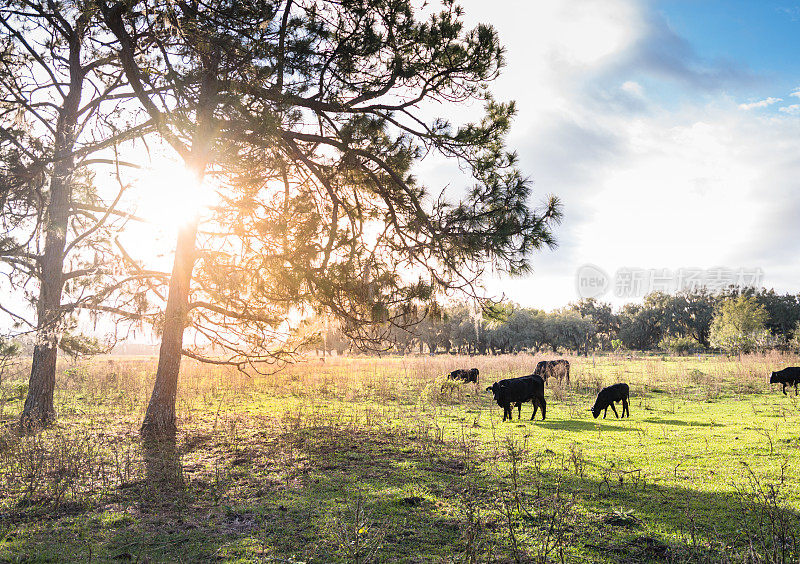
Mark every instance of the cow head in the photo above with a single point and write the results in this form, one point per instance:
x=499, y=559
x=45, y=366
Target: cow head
x=495, y=389
x=773, y=379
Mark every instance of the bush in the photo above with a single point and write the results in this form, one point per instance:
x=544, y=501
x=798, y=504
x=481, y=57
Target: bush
x=680, y=345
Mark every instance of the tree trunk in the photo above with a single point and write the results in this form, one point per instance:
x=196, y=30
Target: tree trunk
x=159, y=420
x=39, y=409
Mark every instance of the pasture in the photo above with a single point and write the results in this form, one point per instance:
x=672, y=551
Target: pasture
x=384, y=460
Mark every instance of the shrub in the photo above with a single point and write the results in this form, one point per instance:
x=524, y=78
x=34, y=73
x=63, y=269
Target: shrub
x=680, y=345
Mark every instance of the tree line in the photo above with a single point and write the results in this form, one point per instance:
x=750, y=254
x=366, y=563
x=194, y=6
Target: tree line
x=733, y=320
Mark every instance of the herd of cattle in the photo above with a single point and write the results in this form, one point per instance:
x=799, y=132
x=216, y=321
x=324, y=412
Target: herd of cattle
x=530, y=388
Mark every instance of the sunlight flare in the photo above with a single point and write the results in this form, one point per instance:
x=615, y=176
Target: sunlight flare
x=171, y=195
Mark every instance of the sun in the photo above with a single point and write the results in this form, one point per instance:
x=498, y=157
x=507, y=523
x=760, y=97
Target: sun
x=170, y=196
x=164, y=196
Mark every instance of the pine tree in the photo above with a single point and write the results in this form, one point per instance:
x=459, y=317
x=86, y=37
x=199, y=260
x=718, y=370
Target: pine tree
x=60, y=96
x=310, y=116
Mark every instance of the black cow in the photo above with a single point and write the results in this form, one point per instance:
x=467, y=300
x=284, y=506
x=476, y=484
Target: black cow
x=607, y=397
x=518, y=391
x=788, y=377
x=558, y=369
x=470, y=375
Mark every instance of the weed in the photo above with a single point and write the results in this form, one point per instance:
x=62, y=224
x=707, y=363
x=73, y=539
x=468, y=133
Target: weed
x=357, y=537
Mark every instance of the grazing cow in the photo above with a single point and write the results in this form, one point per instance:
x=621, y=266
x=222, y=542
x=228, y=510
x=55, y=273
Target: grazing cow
x=470, y=375
x=607, y=397
x=788, y=377
x=553, y=368
x=518, y=391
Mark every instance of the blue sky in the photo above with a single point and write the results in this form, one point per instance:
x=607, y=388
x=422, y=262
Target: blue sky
x=668, y=129
x=760, y=39
x=760, y=35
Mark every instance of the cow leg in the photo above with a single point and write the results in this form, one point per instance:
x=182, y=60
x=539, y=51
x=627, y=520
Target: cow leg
x=625, y=408
x=795, y=387
x=543, y=403
x=614, y=409
x=519, y=410
x=605, y=412
x=535, y=407
x=784, y=389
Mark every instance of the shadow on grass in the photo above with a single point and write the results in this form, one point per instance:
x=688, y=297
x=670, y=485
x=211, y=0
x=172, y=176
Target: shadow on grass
x=163, y=469
x=681, y=423
x=295, y=501
x=408, y=495
x=409, y=492
x=580, y=425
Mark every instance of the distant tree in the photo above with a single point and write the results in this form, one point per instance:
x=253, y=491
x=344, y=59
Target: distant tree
x=526, y=329
x=679, y=345
x=739, y=325
x=326, y=336
x=571, y=331
x=402, y=338
x=640, y=327
x=794, y=338
x=606, y=323
x=684, y=314
x=433, y=330
x=313, y=112
x=336, y=340
x=492, y=333
x=693, y=313
x=463, y=325
x=783, y=311
x=662, y=306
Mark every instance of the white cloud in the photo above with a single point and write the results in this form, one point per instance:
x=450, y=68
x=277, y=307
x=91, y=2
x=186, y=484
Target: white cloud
x=683, y=179
x=793, y=110
x=761, y=103
x=796, y=92
x=632, y=87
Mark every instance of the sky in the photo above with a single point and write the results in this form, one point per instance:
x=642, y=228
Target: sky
x=669, y=130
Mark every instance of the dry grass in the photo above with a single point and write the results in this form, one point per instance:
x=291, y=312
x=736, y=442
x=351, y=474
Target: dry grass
x=387, y=458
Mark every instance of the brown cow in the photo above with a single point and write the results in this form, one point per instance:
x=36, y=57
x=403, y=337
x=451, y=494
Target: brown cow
x=558, y=369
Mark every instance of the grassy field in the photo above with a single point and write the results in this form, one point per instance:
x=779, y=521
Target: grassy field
x=375, y=460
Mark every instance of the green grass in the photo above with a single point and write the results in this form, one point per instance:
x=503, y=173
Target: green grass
x=372, y=460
